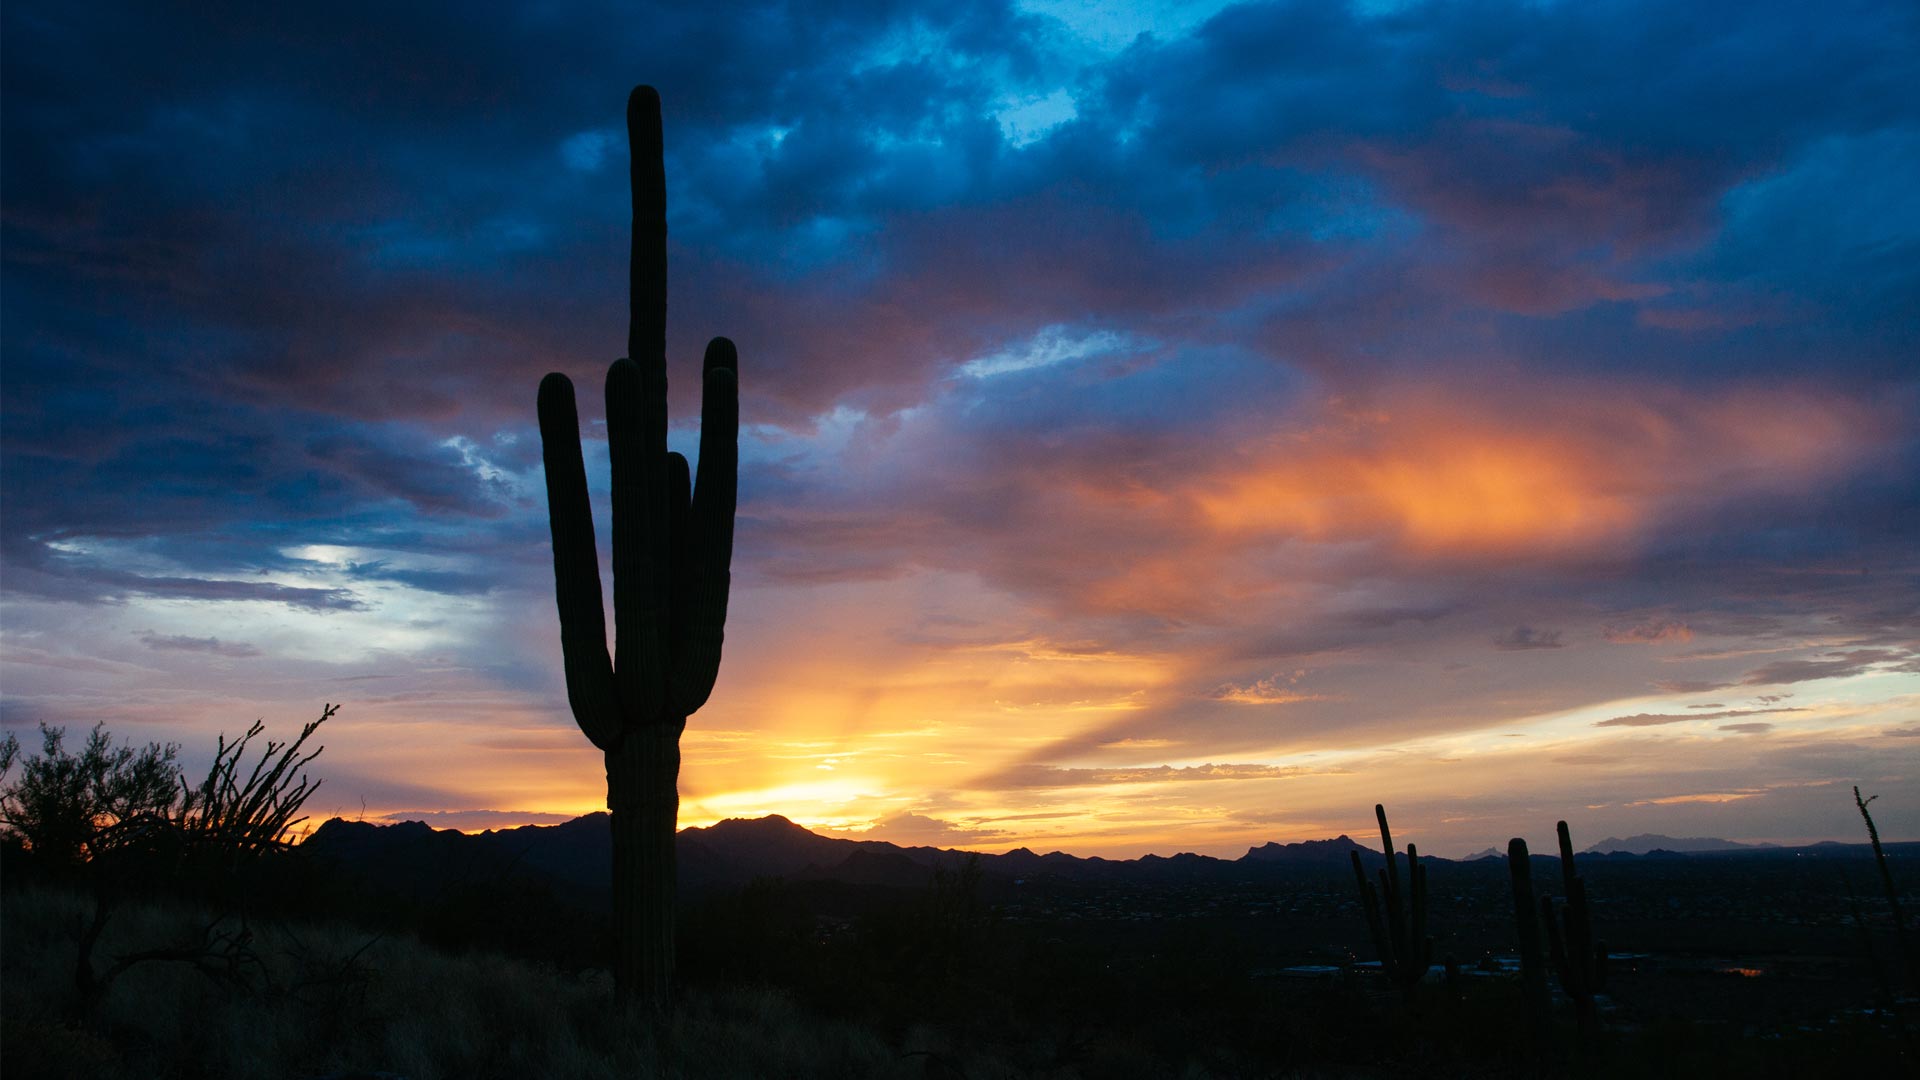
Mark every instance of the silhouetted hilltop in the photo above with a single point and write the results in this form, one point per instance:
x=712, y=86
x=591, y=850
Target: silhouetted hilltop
x=773, y=846
x=1329, y=851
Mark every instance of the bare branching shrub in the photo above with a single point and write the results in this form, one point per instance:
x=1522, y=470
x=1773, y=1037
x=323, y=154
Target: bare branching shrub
x=235, y=818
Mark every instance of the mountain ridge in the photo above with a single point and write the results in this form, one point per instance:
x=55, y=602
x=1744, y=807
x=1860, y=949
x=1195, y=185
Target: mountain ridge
x=574, y=855
x=413, y=856
x=1646, y=843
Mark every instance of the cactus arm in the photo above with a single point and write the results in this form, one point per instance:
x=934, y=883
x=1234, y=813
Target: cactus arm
x=679, y=541
x=679, y=490
x=1581, y=961
x=576, y=568
x=1567, y=877
x=700, y=612
x=1386, y=845
x=1579, y=917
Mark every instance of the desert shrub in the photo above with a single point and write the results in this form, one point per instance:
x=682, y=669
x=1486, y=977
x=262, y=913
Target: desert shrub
x=408, y=1009
x=70, y=809
x=122, y=823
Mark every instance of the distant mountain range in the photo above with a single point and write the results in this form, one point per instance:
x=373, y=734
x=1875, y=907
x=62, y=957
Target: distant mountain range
x=574, y=858
x=1650, y=842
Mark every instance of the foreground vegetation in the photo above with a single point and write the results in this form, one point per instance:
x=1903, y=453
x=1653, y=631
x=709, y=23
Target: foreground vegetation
x=331, y=999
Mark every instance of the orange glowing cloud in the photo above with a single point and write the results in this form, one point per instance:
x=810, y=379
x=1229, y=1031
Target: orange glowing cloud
x=1577, y=471
x=1434, y=491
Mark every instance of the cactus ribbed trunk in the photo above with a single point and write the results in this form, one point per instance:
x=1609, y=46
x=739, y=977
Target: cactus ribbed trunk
x=643, y=798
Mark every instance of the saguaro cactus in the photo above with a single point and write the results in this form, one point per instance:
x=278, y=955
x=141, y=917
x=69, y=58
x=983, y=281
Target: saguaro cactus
x=1400, y=932
x=672, y=544
x=1580, y=961
x=1533, y=969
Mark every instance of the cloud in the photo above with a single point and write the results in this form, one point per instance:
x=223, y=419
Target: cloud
x=116, y=583
x=1755, y=728
x=1656, y=719
x=1048, y=776
x=917, y=830
x=1651, y=632
x=1272, y=690
x=1526, y=637
x=1703, y=797
x=1835, y=666
x=1285, y=335
x=1689, y=686
x=185, y=643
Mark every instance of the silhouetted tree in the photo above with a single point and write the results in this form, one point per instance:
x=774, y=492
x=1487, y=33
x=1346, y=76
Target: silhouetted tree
x=672, y=545
x=120, y=820
x=69, y=809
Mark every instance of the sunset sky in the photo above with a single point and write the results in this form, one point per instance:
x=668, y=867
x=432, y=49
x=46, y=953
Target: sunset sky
x=1166, y=427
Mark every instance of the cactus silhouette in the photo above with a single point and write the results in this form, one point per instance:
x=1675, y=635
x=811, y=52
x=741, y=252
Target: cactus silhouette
x=1533, y=969
x=1909, y=956
x=672, y=544
x=1400, y=932
x=1580, y=961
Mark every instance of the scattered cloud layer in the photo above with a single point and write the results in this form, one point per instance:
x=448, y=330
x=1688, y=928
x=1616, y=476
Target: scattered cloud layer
x=1318, y=388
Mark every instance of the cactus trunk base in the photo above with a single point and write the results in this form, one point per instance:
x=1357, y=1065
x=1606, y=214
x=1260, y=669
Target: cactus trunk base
x=643, y=799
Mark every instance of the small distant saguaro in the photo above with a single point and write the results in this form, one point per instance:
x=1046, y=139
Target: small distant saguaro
x=672, y=547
